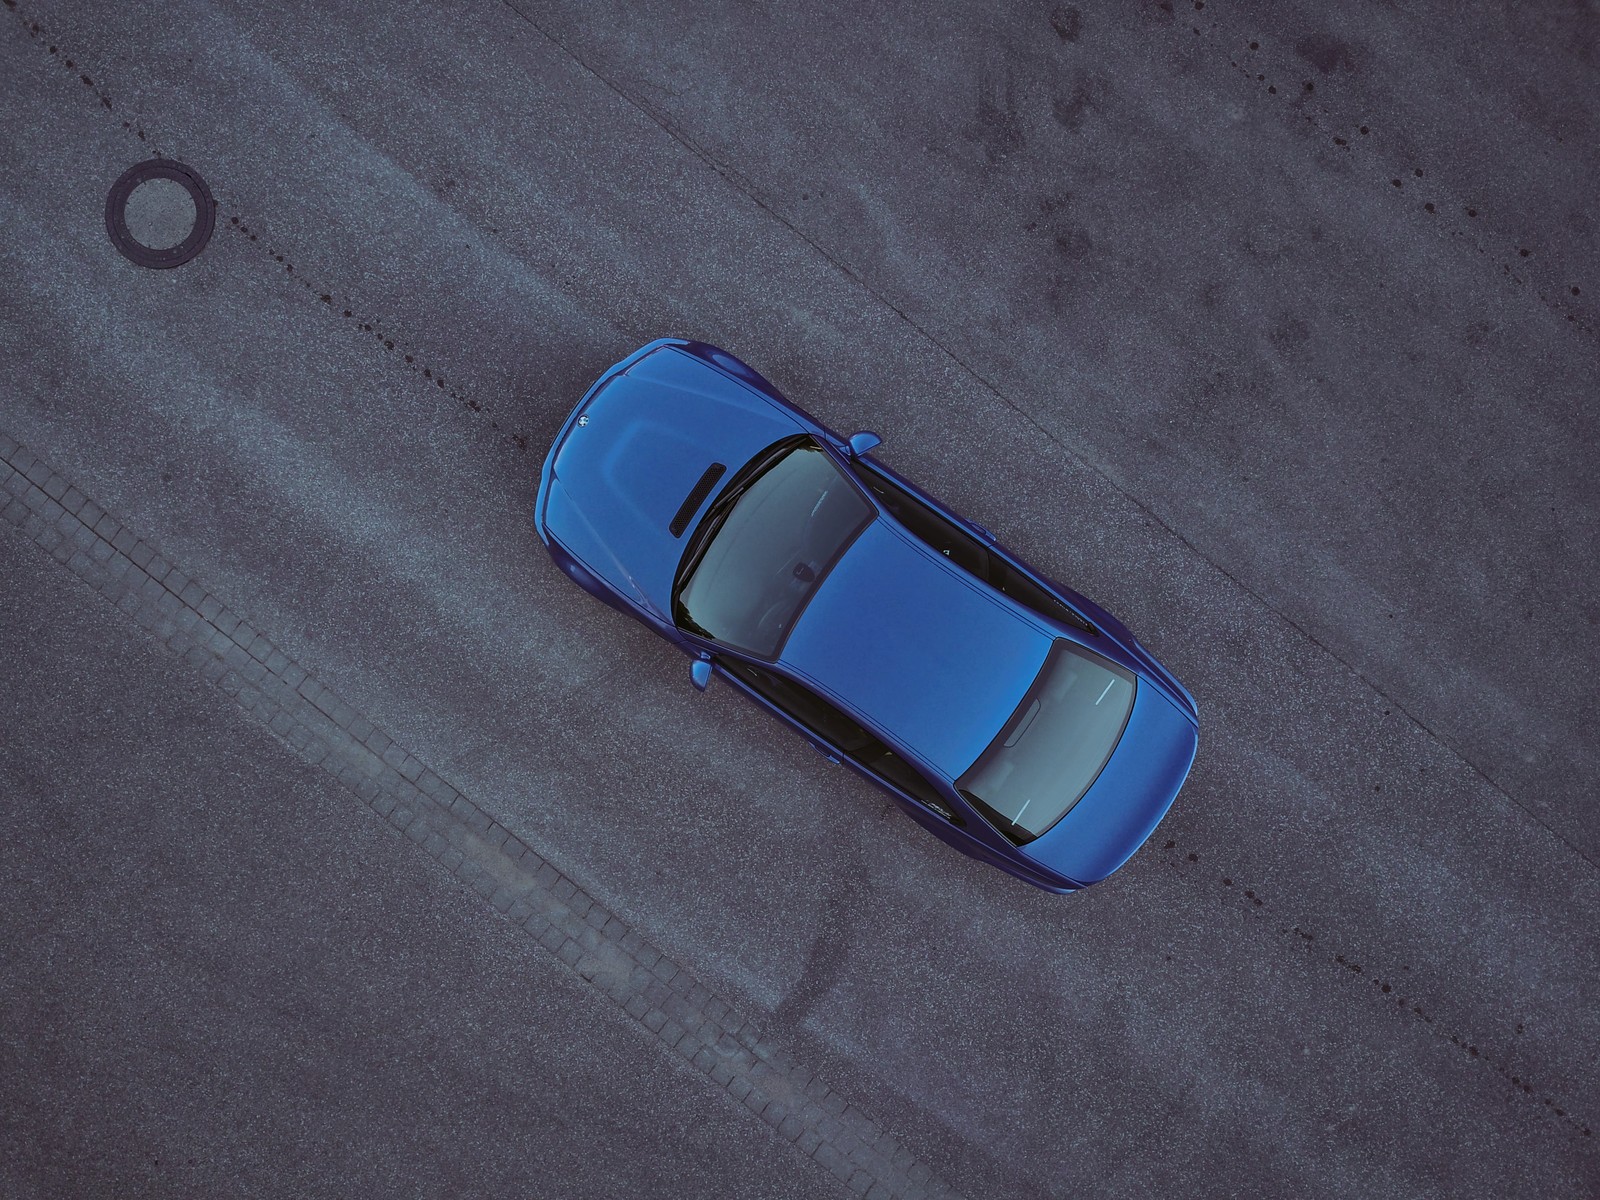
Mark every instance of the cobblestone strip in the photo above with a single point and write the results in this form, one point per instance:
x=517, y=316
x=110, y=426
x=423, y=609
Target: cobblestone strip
x=652, y=990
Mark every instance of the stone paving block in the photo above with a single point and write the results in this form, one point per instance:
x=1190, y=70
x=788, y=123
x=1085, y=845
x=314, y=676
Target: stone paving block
x=833, y=1162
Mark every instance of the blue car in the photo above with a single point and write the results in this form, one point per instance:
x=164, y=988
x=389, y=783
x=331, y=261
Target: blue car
x=1018, y=721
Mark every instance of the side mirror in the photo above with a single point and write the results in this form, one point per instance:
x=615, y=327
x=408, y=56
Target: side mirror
x=861, y=443
x=700, y=673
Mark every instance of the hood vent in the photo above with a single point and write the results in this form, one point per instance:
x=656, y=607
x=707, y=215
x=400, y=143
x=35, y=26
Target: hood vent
x=697, y=497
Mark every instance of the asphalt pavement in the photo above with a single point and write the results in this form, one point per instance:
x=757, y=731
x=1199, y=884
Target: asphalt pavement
x=1270, y=327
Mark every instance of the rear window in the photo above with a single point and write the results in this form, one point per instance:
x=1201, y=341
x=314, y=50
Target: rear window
x=1054, y=745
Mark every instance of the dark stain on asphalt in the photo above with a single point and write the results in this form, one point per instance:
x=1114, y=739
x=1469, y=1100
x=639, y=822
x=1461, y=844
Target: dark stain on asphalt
x=1067, y=21
x=1325, y=52
x=1329, y=55
x=1385, y=985
x=1288, y=333
x=996, y=125
x=842, y=910
x=1087, y=98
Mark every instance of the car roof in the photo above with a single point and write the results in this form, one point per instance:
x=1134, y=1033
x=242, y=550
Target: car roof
x=917, y=647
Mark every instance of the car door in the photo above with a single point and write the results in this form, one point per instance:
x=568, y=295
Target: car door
x=840, y=737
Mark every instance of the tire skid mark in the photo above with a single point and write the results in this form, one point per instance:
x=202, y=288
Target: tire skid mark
x=426, y=372
x=1322, y=54
x=1385, y=985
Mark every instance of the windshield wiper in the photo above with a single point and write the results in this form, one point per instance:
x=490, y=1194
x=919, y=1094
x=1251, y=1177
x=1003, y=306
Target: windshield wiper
x=718, y=512
x=1008, y=828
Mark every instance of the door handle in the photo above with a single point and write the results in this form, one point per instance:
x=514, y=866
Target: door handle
x=825, y=752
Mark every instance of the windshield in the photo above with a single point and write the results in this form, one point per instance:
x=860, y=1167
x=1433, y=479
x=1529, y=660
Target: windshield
x=765, y=546
x=1054, y=745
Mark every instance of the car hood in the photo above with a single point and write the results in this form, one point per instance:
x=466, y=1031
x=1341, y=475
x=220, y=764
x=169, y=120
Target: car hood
x=1129, y=797
x=647, y=436
x=916, y=647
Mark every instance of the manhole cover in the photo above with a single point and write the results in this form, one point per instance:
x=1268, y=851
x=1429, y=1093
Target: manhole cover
x=160, y=213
